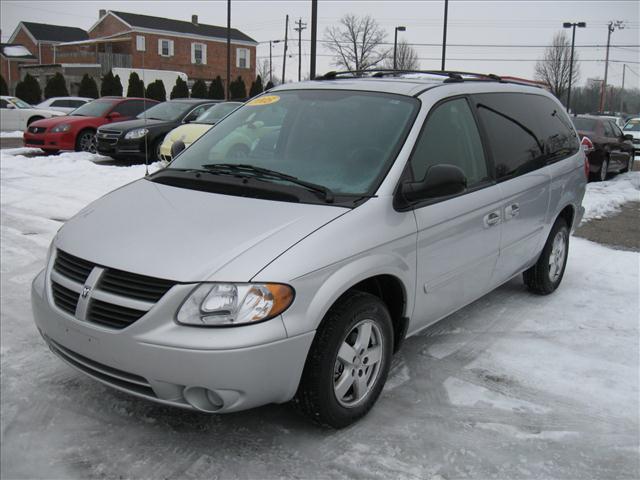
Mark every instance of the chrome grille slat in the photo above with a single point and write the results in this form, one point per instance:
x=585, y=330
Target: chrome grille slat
x=108, y=297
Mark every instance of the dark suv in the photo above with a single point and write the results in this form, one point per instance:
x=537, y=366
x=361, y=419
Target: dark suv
x=608, y=149
x=142, y=137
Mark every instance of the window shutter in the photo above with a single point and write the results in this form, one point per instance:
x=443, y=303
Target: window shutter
x=171, y=48
x=193, y=53
x=140, y=43
x=248, y=57
x=159, y=46
x=238, y=57
x=204, y=53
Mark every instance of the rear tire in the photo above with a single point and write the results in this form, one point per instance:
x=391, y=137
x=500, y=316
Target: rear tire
x=34, y=119
x=349, y=361
x=604, y=171
x=545, y=276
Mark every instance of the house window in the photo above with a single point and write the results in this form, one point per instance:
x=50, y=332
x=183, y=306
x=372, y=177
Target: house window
x=243, y=58
x=165, y=47
x=199, y=53
x=140, y=43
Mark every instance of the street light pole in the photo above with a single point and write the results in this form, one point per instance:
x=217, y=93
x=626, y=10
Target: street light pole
x=228, y=49
x=444, y=33
x=314, y=32
x=271, y=59
x=395, y=45
x=573, y=43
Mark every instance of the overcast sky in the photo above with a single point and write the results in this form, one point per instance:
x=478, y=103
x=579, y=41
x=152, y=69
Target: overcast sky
x=515, y=30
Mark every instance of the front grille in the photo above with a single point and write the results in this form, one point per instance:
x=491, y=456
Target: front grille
x=108, y=133
x=72, y=267
x=107, y=141
x=109, y=375
x=64, y=298
x=112, y=315
x=147, y=289
x=37, y=129
x=114, y=299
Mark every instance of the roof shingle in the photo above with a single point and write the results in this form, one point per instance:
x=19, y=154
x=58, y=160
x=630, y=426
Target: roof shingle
x=55, y=33
x=180, y=26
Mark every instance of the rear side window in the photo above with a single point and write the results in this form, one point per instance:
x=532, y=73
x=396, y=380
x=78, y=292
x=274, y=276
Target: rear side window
x=450, y=136
x=75, y=103
x=608, y=129
x=59, y=103
x=130, y=108
x=585, y=124
x=525, y=132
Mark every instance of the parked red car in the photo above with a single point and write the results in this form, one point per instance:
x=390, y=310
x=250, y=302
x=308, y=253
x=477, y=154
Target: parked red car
x=77, y=130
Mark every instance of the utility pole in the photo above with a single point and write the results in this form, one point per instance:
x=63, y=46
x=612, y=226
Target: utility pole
x=624, y=68
x=395, y=45
x=228, y=49
x=284, y=57
x=314, y=33
x=610, y=29
x=573, y=44
x=444, y=33
x=270, y=60
x=301, y=26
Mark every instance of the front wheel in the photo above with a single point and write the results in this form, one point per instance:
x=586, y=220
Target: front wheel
x=348, y=362
x=86, y=142
x=545, y=276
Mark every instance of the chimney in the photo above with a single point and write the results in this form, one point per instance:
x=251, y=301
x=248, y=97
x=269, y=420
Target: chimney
x=102, y=14
x=194, y=19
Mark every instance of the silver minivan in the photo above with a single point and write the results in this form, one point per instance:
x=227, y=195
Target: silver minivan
x=288, y=252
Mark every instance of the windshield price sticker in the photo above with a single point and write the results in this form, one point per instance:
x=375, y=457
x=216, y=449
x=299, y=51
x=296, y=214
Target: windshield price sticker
x=266, y=100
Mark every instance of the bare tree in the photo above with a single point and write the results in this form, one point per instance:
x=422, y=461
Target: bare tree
x=356, y=43
x=406, y=57
x=262, y=69
x=555, y=64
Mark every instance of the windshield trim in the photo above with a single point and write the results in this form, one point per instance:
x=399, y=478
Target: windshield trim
x=416, y=105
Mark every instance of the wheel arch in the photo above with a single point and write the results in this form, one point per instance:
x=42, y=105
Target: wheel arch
x=34, y=118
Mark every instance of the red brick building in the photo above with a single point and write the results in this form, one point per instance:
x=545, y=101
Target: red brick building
x=129, y=40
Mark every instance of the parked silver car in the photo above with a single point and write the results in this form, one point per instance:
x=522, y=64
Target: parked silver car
x=292, y=266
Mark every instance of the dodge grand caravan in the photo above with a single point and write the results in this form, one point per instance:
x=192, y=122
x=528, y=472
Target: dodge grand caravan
x=365, y=210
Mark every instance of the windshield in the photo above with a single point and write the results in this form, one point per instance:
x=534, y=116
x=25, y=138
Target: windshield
x=20, y=103
x=585, y=124
x=632, y=126
x=97, y=108
x=215, y=113
x=341, y=140
x=167, y=111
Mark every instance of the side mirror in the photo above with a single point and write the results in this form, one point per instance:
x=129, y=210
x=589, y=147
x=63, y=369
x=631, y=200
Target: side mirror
x=10, y=106
x=114, y=116
x=441, y=180
x=176, y=148
x=627, y=136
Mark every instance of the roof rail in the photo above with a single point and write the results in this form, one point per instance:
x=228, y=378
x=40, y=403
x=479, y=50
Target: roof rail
x=380, y=72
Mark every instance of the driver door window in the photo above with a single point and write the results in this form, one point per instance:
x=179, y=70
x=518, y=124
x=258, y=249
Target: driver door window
x=450, y=135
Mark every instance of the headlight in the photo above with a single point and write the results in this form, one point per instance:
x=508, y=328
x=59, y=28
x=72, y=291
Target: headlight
x=137, y=133
x=228, y=304
x=63, y=127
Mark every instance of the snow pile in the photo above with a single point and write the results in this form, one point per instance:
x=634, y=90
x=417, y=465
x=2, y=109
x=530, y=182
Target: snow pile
x=605, y=198
x=16, y=134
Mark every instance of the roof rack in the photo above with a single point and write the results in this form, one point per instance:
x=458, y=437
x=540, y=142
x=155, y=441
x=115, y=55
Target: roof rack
x=451, y=75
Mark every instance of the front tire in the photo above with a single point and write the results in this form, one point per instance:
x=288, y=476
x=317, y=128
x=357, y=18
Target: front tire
x=545, y=276
x=86, y=142
x=348, y=362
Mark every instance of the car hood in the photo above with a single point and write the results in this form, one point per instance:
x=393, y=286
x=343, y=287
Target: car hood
x=186, y=235
x=188, y=133
x=138, y=123
x=60, y=118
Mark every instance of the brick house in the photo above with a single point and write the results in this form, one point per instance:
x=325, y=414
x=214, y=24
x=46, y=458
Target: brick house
x=41, y=39
x=12, y=56
x=120, y=39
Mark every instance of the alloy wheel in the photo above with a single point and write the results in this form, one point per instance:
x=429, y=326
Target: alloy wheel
x=557, y=255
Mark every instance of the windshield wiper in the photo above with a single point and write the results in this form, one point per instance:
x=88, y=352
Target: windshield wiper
x=268, y=173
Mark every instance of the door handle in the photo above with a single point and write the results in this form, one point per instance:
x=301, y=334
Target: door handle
x=512, y=211
x=491, y=219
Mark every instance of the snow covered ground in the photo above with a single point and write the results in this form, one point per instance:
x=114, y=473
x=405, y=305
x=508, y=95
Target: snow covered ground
x=16, y=134
x=513, y=386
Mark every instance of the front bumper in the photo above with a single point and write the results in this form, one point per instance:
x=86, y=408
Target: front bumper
x=159, y=360
x=119, y=147
x=50, y=141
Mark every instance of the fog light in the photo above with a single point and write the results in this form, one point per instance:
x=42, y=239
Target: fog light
x=203, y=399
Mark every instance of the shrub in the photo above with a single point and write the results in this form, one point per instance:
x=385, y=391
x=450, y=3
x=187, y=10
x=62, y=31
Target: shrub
x=29, y=90
x=237, y=89
x=256, y=87
x=180, y=89
x=88, y=87
x=4, y=89
x=136, y=86
x=56, y=87
x=117, y=86
x=216, y=89
x=269, y=85
x=199, y=89
x=156, y=91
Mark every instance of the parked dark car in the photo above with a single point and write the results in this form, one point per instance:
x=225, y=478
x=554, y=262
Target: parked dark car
x=77, y=130
x=142, y=137
x=608, y=149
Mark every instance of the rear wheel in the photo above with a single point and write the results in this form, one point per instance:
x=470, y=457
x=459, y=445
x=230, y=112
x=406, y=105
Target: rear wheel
x=86, y=142
x=604, y=170
x=545, y=276
x=33, y=119
x=348, y=362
